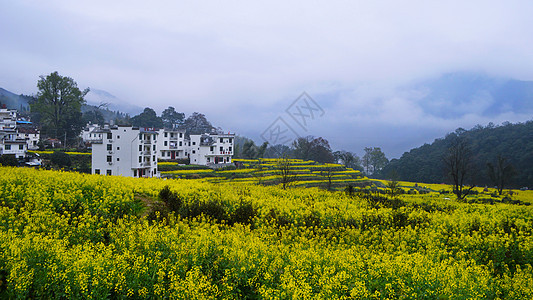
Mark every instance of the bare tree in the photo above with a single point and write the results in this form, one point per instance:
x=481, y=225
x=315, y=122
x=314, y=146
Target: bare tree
x=457, y=160
x=287, y=176
x=328, y=174
x=501, y=173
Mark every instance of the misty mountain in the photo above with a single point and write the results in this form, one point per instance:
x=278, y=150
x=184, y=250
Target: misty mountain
x=454, y=95
x=14, y=101
x=97, y=97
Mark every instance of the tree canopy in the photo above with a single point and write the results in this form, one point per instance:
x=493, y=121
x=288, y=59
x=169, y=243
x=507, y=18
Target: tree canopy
x=171, y=118
x=148, y=118
x=197, y=123
x=58, y=106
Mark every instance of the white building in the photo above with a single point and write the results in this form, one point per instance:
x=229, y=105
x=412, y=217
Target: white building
x=125, y=151
x=88, y=135
x=10, y=144
x=8, y=118
x=171, y=144
x=211, y=149
x=31, y=135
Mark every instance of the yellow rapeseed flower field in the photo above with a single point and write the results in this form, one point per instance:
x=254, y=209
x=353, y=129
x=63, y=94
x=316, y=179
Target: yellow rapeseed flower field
x=70, y=235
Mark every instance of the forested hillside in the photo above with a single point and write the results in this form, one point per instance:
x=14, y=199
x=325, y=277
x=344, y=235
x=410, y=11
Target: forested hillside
x=512, y=141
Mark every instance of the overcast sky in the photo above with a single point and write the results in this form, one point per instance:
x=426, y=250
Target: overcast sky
x=243, y=63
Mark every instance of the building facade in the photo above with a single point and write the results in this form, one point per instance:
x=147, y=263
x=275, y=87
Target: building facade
x=211, y=149
x=171, y=144
x=125, y=151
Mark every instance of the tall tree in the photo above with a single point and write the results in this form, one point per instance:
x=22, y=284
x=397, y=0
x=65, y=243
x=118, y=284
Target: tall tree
x=378, y=159
x=348, y=159
x=311, y=148
x=197, y=123
x=58, y=105
x=367, y=159
x=458, y=163
x=148, y=118
x=171, y=118
x=501, y=173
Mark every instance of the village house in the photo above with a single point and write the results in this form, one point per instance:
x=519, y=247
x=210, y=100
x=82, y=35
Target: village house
x=125, y=151
x=171, y=144
x=211, y=149
x=16, y=136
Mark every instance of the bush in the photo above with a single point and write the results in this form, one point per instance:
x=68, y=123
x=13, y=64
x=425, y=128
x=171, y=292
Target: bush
x=60, y=159
x=9, y=160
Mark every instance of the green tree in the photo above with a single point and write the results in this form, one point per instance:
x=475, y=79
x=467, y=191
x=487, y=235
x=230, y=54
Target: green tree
x=58, y=105
x=311, y=148
x=60, y=159
x=378, y=159
x=148, y=118
x=284, y=170
x=172, y=118
x=348, y=159
x=197, y=123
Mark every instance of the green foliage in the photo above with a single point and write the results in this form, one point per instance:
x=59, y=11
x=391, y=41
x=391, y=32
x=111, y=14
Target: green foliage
x=171, y=118
x=197, y=123
x=60, y=159
x=58, y=106
x=148, y=118
x=9, y=160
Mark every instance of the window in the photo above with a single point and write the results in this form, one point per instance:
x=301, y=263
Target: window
x=153, y=147
x=109, y=147
x=193, y=151
x=212, y=148
x=140, y=137
x=163, y=154
x=193, y=143
x=166, y=134
x=230, y=141
x=140, y=159
x=140, y=148
x=7, y=147
x=181, y=144
x=118, y=148
x=21, y=147
x=221, y=140
x=134, y=173
x=109, y=158
x=209, y=159
x=118, y=137
x=153, y=158
x=171, y=135
x=96, y=171
x=109, y=135
x=166, y=143
x=181, y=135
x=118, y=158
x=221, y=149
x=229, y=149
x=108, y=172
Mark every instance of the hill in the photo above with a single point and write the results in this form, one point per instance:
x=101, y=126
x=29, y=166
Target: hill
x=512, y=141
x=13, y=101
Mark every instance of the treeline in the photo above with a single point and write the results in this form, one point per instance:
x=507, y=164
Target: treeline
x=489, y=145
x=315, y=149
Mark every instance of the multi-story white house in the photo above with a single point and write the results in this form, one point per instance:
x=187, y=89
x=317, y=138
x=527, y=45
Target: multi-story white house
x=126, y=151
x=8, y=118
x=171, y=144
x=31, y=135
x=10, y=144
x=89, y=133
x=211, y=149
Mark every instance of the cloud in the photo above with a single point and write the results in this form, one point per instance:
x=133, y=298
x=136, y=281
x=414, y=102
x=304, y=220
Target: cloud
x=240, y=63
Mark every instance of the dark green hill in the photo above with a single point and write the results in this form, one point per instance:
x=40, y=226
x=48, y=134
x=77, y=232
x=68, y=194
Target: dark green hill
x=512, y=141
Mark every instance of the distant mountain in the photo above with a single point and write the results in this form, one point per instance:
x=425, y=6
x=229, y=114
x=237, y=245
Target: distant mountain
x=454, y=95
x=13, y=101
x=97, y=97
x=512, y=141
